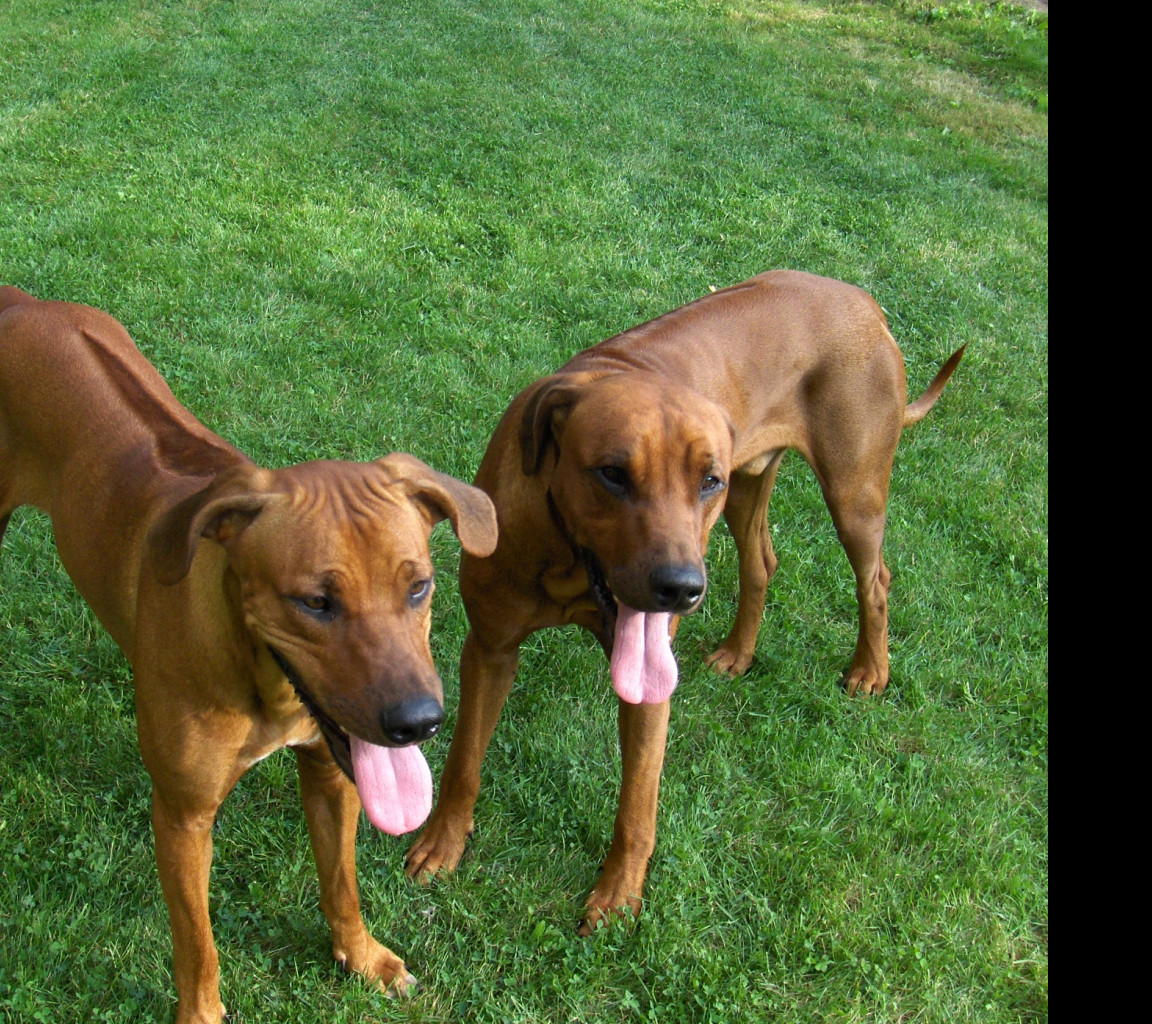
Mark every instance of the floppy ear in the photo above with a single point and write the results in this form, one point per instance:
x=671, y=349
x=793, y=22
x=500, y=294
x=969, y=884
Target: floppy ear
x=549, y=401
x=467, y=508
x=221, y=511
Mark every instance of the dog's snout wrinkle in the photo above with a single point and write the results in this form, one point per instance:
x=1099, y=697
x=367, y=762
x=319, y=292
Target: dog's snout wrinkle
x=412, y=721
x=677, y=588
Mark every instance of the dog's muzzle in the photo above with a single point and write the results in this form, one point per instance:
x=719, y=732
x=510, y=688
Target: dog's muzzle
x=412, y=721
x=678, y=589
x=404, y=723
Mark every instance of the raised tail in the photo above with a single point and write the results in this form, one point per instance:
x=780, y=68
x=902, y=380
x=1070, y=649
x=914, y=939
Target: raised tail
x=914, y=412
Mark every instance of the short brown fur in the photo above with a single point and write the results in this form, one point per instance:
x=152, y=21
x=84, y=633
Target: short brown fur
x=719, y=388
x=193, y=558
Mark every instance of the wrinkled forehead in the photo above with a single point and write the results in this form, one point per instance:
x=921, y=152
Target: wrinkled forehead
x=343, y=511
x=637, y=411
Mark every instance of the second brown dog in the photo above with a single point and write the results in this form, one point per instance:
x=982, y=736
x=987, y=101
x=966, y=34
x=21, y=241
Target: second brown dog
x=607, y=478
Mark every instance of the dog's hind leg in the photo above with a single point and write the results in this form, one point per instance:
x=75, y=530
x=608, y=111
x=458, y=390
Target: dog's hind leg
x=857, y=495
x=862, y=535
x=746, y=512
x=854, y=428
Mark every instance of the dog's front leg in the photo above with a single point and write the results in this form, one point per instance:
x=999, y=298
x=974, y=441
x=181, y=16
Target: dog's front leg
x=643, y=735
x=486, y=677
x=184, y=857
x=332, y=809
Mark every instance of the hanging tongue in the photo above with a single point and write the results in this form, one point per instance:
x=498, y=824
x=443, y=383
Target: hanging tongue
x=642, y=666
x=394, y=783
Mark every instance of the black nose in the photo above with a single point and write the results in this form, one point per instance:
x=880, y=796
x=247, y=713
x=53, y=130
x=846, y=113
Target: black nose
x=412, y=721
x=677, y=588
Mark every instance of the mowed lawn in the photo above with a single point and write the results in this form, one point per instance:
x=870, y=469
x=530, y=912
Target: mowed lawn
x=343, y=227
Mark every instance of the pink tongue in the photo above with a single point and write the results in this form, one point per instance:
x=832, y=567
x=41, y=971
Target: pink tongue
x=394, y=783
x=643, y=669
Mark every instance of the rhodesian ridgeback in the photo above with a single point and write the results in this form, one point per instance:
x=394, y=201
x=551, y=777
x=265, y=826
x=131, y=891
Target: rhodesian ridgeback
x=259, y=609
x=607, y=477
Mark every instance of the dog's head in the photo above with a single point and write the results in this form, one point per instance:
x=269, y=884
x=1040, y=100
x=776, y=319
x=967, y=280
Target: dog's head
x=333, y=576
x=636, y=467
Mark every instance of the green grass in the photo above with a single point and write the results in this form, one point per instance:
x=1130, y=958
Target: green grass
x=342, y=228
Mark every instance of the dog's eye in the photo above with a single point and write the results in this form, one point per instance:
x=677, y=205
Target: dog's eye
x=614, y=479
x=711, y=486
x=419, y=591
x=318, y=606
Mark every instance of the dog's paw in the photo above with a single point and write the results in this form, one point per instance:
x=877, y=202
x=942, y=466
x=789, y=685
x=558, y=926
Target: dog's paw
x=597, y=917
x=615, y=898
x=378, y=965
x=438, y=849
x=403, y=986
x=865, y=683
x=186, y=1013
x=727, y=661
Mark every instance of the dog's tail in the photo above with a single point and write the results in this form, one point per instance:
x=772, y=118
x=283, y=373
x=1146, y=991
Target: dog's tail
x=914, y=412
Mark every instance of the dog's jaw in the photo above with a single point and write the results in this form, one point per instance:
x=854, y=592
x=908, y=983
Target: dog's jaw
x=605, y=600
x=337, y=738
x=394, y=782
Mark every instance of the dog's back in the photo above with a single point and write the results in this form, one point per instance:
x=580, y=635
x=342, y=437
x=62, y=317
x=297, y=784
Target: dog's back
x=754, y=346
x=77, y=396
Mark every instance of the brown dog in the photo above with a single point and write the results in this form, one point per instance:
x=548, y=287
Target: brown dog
x=259, y=609
x=607, y=478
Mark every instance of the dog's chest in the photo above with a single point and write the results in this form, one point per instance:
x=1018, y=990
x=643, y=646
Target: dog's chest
x=279, y=720
x=570, y=598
